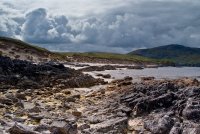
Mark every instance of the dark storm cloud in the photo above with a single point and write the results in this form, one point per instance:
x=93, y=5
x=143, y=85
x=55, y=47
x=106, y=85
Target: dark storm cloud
x=134, y=25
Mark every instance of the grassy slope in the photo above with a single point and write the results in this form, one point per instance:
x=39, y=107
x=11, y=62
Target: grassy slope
x=116, y=56
x=178, y=54
x=23, y=45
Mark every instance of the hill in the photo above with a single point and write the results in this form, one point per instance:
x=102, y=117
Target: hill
x=180, y=55
x=17, y=49
x=113, y=58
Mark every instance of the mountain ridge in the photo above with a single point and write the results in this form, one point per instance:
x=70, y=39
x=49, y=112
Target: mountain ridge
x=180, y=54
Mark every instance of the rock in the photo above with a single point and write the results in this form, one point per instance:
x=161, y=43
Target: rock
x=192, y=91
x=26, y=83
x=62, y=127
x=35, y=109
x=12, y=97
x=106, y=76
x=148, y=104
x=147, y=78
x=20, y=96
x=3, y=122
x=98, y=68
x=192, y=110
x=135, y=67
x=191, y=130
x=41, y=128
x=76, y=113
x=116, y=125
x=2, y=106
x=66, y=105
x=176, y=129
x=83, y=126
x=128, y=78
x=94, y=119
x=6, y=101
x=27, y=105
x=135, y=124
x=72, y=98
x=66, y=92
x=46, y=121
x=159, y=126
x=19, y=129
x=35, y=116
x=126, y=110
x=21, y=120
x=26, y=75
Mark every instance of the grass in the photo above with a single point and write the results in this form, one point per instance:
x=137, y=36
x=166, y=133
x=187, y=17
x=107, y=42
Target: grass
x=116, y=56
x=23, y=45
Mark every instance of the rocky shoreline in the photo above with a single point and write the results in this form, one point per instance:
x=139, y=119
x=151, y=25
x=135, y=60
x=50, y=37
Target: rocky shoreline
x=58, y=105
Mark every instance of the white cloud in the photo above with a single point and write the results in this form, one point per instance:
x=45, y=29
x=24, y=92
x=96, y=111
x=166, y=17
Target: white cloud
x=74, y=8
x=115, y=25
x=39, y=27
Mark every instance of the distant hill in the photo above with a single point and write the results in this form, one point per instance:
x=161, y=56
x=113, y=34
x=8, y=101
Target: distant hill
x=180, y=55
x=113, y=58
x=17, y=49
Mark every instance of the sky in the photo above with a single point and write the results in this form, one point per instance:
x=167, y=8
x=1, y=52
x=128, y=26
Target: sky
x=118, y=26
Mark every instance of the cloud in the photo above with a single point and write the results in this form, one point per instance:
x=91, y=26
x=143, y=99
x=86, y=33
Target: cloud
x=9, y=26
x=131, y=24
x=75, y=8
x=39, y=27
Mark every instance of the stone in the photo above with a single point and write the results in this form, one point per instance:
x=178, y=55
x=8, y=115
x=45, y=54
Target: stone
x=116, y=125
x=147, y=78
x=76, y=113
x=19, y=129
x=2, y=106
x=62, y=127
x=83, y=126
x=35, y=116
x=21, y=96
x=72, y=98
x=159, y=126
x=147, y=104
x=106, y=76
x=195, y=130
x=176, y=129
x=192, y=110
x=135, y=124
x=41, y=128
x=6, y=101
x=66, y=105
x=12, y=97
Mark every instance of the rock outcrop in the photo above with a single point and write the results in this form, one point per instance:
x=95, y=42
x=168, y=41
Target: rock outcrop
x=165, y=106
x=23, y=74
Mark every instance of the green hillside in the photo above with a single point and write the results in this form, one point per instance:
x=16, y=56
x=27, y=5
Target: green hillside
x=181, y=55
